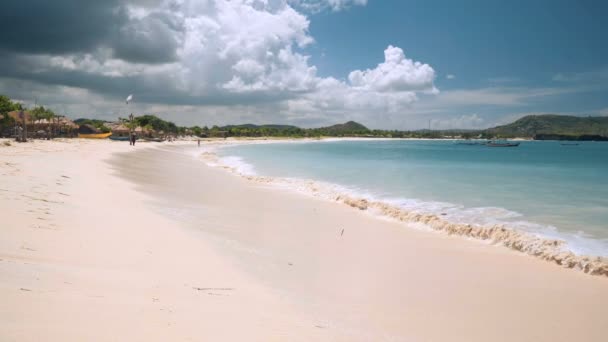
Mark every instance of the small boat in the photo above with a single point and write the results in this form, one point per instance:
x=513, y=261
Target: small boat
x=502, y=144
x=94, y=135
x=118, y=138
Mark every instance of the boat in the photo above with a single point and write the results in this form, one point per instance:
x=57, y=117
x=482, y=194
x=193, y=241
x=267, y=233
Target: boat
x=119, y=138
x=502, y=144
x=94, y=135
x=87, y=131
x=569, y=144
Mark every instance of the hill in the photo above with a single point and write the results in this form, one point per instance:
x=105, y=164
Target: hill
x=350, y=127
x=548, y=124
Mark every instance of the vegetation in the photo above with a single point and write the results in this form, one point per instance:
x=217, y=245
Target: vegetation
x=6, y=105
x=155, y=123
x=99, y=124
x=544, y=125
x=39, y=113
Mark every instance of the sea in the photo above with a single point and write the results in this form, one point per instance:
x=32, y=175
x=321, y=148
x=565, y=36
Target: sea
x=541, y=187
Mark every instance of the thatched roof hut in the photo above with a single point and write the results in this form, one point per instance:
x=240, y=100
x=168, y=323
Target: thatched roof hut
x=16, y=115
x=62, y=120
x=119, y=128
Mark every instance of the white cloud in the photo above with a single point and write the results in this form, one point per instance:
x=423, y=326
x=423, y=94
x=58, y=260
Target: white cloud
x=450, y=76
x=244, y=55
x=396, y=73
x=496, y=96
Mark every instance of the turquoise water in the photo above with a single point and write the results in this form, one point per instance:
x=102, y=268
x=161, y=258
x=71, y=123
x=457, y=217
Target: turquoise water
x=541, y=187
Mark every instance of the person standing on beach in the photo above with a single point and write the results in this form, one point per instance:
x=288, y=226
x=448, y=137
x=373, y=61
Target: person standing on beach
x=199, y=142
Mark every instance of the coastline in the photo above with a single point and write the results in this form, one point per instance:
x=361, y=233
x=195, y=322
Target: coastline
x=142, y=230
x=545, y=248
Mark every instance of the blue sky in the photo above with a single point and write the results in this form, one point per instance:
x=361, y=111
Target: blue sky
x=475, y=39
x=385, y=63
x=484, y=44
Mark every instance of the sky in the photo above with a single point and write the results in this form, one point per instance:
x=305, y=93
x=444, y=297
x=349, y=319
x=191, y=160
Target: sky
x=390, y=64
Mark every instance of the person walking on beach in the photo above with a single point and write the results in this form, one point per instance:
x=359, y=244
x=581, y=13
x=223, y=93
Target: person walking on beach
x=199, y=142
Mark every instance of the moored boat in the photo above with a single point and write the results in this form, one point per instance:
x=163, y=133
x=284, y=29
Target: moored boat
x=119, y=138
x=502, y=144
x=94, y=135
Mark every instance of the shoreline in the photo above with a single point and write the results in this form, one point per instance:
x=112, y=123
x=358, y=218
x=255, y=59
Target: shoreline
x=149, y=243
x=553, y=250
x=84, y=258
x=377, y=279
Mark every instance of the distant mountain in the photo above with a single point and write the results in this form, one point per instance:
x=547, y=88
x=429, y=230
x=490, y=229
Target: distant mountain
x=549, y=124
x=350, y=127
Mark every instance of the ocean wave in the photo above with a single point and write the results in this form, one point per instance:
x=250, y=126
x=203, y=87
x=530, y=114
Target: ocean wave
x=492, y=224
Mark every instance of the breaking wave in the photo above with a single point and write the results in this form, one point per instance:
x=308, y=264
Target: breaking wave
x=495, y=225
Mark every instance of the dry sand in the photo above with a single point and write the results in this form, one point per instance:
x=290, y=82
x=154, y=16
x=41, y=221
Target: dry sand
x=151, y=244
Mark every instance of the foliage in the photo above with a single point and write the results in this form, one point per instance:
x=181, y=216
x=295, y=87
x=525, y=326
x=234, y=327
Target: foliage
x=155, y=123
x=532, y=125
x=6, y=105
x=40, y=112
x=99, y=124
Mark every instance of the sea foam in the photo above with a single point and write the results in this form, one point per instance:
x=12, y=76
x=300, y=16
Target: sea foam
x=574, y=251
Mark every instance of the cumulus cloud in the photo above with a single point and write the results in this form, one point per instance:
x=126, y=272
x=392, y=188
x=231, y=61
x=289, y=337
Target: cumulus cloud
x=396, y=73
x=240, y=55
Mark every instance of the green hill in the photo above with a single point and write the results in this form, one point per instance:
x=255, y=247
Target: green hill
x=548, y=124
x=350, y=127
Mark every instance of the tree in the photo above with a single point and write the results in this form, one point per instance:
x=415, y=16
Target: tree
x=197, y=131
x=40, y=112
x=6, y=105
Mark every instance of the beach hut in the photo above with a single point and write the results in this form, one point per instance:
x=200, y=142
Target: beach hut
x=119, y=131
x=25, y=118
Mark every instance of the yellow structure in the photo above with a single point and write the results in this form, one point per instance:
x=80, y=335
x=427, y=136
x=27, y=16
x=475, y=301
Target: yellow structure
x=94, y=136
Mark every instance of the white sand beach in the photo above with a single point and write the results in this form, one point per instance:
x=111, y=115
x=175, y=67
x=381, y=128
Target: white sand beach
x=105, y=242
